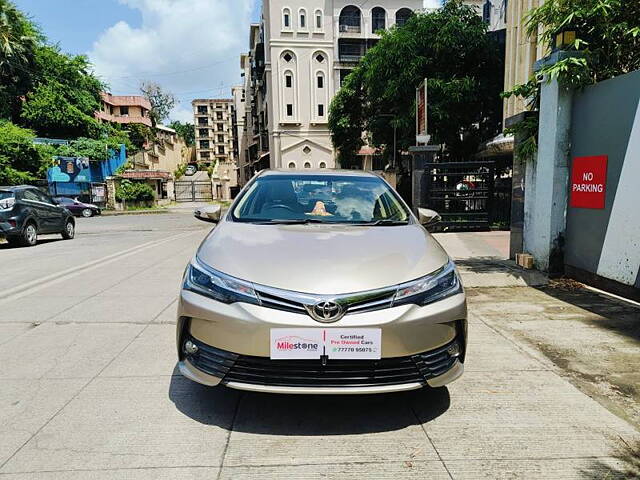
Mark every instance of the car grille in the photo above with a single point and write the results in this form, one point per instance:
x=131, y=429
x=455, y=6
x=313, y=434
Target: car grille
x=232, y=367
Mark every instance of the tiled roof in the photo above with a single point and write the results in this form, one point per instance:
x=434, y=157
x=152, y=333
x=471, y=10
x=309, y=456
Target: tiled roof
x=146, y=174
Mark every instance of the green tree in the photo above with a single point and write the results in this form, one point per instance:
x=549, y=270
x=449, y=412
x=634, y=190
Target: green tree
x=450, y=47
x=134, y=191
x=161, y=102
x=19, y=38
x=186, y=131
x=65, y=96
x=608, y=42
x=20, y=160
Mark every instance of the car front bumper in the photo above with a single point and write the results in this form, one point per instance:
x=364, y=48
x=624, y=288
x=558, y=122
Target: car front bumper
x=234, y=343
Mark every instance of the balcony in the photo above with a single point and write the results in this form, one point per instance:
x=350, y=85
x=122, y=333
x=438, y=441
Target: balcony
x=350, y=29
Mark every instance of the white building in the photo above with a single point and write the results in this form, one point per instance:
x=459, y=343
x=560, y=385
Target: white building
x=309, y=48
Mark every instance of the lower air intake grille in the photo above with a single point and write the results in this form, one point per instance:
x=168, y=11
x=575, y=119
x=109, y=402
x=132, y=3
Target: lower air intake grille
x=311, y=373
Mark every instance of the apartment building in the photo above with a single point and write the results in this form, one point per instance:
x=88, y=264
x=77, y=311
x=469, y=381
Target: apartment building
x=124, y=109
x=299, y=55
x=522, y=52
x=213, y=120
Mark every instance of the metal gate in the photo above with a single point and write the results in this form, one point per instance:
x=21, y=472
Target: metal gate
x=468, y=195
x=197, y=191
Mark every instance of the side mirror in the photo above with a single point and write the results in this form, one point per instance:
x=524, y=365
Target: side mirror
x=210, y=213
x=428, y=218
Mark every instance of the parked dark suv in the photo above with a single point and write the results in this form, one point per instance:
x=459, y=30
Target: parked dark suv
x=26, y=211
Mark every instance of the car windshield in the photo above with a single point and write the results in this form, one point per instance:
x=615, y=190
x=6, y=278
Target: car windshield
x=344, y=199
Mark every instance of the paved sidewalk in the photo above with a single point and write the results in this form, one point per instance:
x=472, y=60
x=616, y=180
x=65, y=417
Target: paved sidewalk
x=89, y=387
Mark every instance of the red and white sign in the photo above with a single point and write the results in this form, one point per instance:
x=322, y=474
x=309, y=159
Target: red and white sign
x=589, y=182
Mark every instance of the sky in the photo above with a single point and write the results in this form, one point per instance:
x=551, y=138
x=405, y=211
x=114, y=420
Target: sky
x=190, y=47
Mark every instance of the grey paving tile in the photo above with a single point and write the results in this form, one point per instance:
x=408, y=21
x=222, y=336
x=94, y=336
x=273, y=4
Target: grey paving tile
x=26, y=405
x=9, y=331
x=36, y=308
x=392, y=470
x=132, y=423
x=290, y=430
x=107, y=309
x=176, y=473
x=523, y=415
x=153, y=353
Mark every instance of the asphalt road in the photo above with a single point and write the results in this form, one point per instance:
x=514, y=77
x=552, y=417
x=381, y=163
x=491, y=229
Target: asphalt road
x=89, y=387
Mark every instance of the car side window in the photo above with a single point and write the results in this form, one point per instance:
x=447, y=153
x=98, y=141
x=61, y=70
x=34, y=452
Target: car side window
x=42, y=197
x=30, y=195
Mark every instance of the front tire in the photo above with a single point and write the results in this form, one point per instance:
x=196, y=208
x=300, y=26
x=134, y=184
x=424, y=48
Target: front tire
x=87, y=212
x=69, y=230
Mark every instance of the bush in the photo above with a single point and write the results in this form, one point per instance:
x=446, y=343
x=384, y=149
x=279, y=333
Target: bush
x=134, y=192
x=20, y=160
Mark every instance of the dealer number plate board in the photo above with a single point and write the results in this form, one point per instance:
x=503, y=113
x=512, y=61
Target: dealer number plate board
x=335, y=343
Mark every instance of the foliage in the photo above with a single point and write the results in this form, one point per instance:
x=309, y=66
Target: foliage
x=140, y=135
x=20, y=159
x=161, y=102
x=186, y=131
x=463, y=66
x=134, y=191
x=608, y=34
x=180, y=171
x=65, y=96
x=607, y=44
x=18, y=41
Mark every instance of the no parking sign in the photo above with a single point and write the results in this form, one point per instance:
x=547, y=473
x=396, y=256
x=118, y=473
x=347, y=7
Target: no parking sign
x=589, y=182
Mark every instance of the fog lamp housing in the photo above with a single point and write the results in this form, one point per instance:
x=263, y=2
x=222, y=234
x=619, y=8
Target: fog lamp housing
x=190, y=348
x=454, y=350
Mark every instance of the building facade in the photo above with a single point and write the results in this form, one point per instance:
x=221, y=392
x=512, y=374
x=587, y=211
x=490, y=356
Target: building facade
x=124, y=109
x=299, y=55
x=215, y=132
x=522, y=51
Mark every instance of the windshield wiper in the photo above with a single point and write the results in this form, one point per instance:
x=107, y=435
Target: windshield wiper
x=384, y=222
x=289, y=221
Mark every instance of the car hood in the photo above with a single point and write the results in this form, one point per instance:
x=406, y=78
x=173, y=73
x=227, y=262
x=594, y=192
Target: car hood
x=322, y=259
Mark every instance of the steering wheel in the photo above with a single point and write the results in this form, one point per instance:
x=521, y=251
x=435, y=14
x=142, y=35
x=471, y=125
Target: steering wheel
x=282, y=205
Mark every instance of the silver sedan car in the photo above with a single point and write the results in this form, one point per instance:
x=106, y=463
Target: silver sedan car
x=321, y=282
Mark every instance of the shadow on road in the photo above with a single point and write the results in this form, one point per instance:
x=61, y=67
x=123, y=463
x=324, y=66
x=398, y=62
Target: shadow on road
x=306, y=415
x=628, y=466
x=41, y=241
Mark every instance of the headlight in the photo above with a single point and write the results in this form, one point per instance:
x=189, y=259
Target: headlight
x=218, y=286
x=436, y=286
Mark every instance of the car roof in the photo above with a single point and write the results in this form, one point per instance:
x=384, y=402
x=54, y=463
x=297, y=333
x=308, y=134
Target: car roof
x=15, y=188
x=322, y=171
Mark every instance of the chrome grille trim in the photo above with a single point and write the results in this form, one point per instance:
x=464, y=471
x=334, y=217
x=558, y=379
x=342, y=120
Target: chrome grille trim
x=296, y=302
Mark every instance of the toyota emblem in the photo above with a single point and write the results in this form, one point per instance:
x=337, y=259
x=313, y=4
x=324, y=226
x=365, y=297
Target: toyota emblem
x=326, y=311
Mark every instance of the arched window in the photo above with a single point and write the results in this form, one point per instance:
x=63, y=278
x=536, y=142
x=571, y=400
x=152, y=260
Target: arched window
x=378, y=19
x=323, y=165
x=319, y=82
x=292, y=165
x=302, y=19
x=288, y=86
x=402, y=16
x=286, y=19
x=318, y=25
x=350, y=19
x=307, y=164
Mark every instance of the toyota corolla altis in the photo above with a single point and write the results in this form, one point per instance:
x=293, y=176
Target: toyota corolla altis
x=321, y=282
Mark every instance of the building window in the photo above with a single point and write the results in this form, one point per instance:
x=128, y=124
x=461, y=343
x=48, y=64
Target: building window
x=221, y=150
x=204, y=155
x=204, y=143
x=220, y=138
x=320, y=58
x=287, y=57
x=319, y=20
x=203, y=132
x=203, y=122
x=307, y=164
x=402, y=16
x=486, y=12
x=320, y=110
x=221, y=127
x=202, y=109
x=288, y=80
x=292, y=165
x=320, y=81
x=303, y=19
x=306, y=150
x=286, y=19
x=124, y=111
x=323, y=165
x=378, y=19
x=289, y=110
x=219, y=115
x=350, y=19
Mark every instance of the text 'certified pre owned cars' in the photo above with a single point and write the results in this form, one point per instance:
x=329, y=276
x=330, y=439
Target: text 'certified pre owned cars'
x=321, y=282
